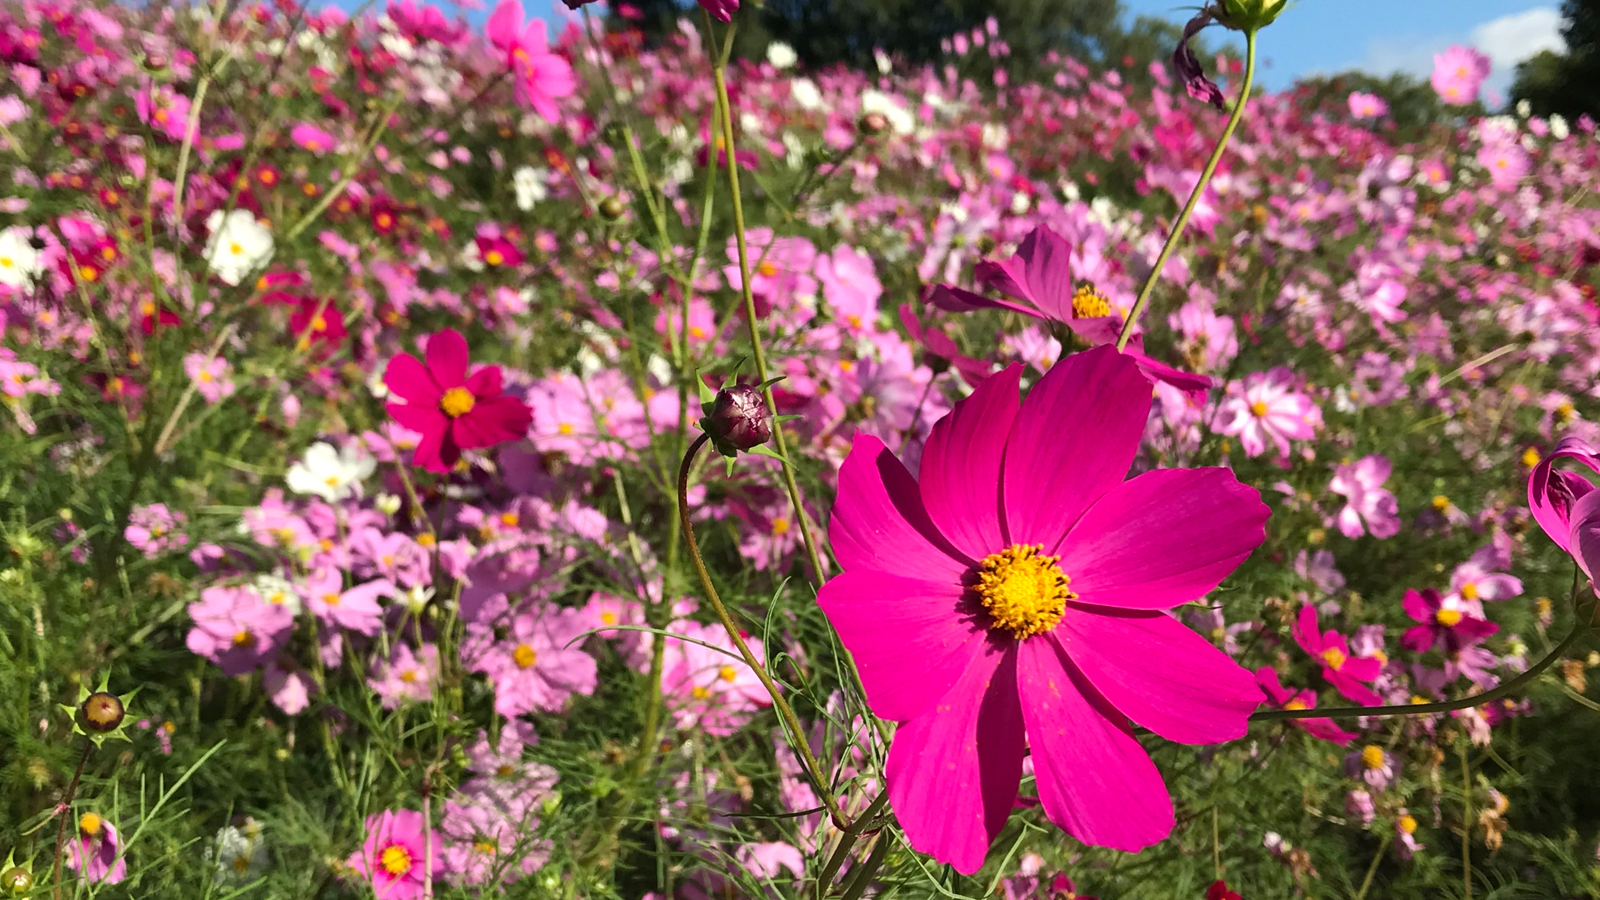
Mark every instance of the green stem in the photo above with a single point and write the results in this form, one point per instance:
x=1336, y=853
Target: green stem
x=718, y=76
x=1418, y=709
x=797, y=735
x=847, y=842
x=861, y=878
x=1372, y=870
x=1466, y=822
x=1194, y=196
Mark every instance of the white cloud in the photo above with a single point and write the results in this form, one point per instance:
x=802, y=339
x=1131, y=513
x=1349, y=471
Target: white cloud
x=1511, y=39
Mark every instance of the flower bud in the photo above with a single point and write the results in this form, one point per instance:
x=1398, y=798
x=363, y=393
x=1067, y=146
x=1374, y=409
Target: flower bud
x=873, y=123
x=15, y=881
x=611, y=208
x=1247, y=15
x=739, y=417
x=102, y=711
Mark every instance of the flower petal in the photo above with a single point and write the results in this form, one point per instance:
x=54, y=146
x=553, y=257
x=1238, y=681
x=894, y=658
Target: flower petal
x=953, y=772
x=1163, y=539
x=493, y=420
x=960, y=472
x=486, y=382
x=954, y=299
x=1175, y=683
x=448, y=358
x=911, y=639
x=1072, y=441
x=408, y=379
x=879, y=523
x=1584, y=537
x=1094, y=779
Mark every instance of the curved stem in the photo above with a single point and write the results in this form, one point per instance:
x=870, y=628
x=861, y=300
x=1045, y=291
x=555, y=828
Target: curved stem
x=1372, y=870
x=1194, y=196
x=797, y=736
x=718, y=76
x=1417, y=709
x=66, y=813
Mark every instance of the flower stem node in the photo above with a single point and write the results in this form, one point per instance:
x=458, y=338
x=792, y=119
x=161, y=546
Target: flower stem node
x=100, y=715
x=1247, y=15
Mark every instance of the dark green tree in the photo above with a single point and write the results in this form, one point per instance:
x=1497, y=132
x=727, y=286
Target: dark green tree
x=1566, y=83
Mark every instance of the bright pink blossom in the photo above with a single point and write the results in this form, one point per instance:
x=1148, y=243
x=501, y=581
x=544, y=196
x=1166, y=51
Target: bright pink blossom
x=541, y=77
x=1458, y=72
x=1076, y=565
x=97, y=851
x=395, y=854
x=1347, y=673
x=1367, y=106
x=721, y=10
x=453, y=410
x=1553, y=494
x=1288, y=698
x=312, y=138
x=1445, y=623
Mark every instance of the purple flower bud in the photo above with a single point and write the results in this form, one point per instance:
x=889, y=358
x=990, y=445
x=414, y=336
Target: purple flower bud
x=739, y=417
x=1187, y=65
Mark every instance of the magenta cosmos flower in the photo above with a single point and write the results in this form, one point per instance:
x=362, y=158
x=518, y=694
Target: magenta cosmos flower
x=452, y=410
x=1348, y=674
x=1553, y=494
x=541, y=77
x=394, y=856
x=1011, y=603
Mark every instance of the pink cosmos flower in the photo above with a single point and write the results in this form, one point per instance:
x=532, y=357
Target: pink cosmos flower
x=1475, y=580
x=1040, y=279
x=1268, y=405
x=721, y=10
x=1288, y=698
x=289, y=687
x=1553, y=494
x=1507, y=165
x=453, y=410
x=97, y=851
x=850, y=283
x=1457, y=74
x=533, y=668
x=356, y=609
x=1445, y=623
x=210, y=375
x=1405, y=843
x=486, y=840
x=310, y=137
x=406, y=677
x=780, y=268
x=1372, y=764
x=992, y=608
x=1585, y=537
x=154, y=530
x=1371, y=507
x=236, y=629
x=395, y=853
x=541, y=77
x=710, y=690
x=1367, y=106
x=1342, y=670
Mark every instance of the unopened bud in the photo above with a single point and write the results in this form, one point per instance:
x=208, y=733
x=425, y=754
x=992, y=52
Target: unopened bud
x=740, y=418
x=15, y=881
x=611, y=208
x=102, y=712
x=873, y=123
x=1247, y=15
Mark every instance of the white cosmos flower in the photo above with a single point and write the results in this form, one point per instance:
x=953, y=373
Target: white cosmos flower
x=329, y=473
x=806, y=94
x=530, y=187
x=19, y=262
x=781, y=55
x=900, y=118
x=279, y=592
x=241, y=852
x=239, y=244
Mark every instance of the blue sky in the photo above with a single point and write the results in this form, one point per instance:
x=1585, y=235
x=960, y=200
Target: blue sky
x=1382, y=36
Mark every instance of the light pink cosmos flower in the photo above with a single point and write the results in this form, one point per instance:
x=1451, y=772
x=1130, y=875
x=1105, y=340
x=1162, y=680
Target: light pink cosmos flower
x=1476, y=580
x=155, y=530
x=97, y=851
x=210, y=376
x=1372, y=764
x=1371, y=507
x=992, y=606
x=406, y=677
x=1269, y=405
x=484, y=840
x=541, y=77
x=780, y=270
x=533, y=668
x=236, y=629
x=850, y=284
x=1367, y=106
x=357, y=609
x=395, y=853
x=1457, y=74
x=710, y=690
x=310, y=137
x=288, y=686
x=1507, y=165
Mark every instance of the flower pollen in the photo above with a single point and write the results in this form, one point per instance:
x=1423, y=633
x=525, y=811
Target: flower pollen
x=1449, y=618
x=1335, y=658
x=1024, y=592
x=395, y=859
x=457, y=402
x=524, y=656
x=1372, y=756
x=1088, y=303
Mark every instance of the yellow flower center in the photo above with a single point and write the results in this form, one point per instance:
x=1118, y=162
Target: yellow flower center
x=524, y=656
x=1530, y=457
x=242, y=638
x=1441, y=503
x=565, y=428
x=700, y=693
x=727, y=673
x=494, y=257
x=1334, y=657
x=1565, y=412
x=457, y=402
x=1469, y=591
x=331, y=599
x=1088, y=303
x=1408, y=824
x=1372, y=756
x=409, y=676
x=1258, y=409
x=780, y=525
x=1296, y=703
x=1449, y=618
x=396, y=860
x=767, y=269
x=608, y=618
x=89, y=824
x=484, y=847
x=1024, y=592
